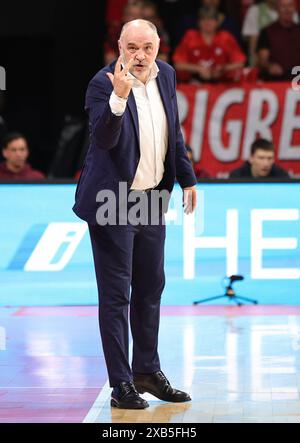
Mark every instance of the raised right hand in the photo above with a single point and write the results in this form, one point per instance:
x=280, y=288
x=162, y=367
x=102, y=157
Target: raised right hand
x=121, y=81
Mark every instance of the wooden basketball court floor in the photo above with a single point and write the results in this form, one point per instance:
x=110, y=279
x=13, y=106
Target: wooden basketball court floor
x=239, y=364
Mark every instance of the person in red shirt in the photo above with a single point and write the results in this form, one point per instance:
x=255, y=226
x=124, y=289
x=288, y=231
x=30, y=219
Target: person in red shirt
x=15, y=167
x=114, y=10
x=207, y=54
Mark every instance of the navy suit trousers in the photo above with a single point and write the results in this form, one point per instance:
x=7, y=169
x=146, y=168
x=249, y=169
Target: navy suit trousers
x=129, y=257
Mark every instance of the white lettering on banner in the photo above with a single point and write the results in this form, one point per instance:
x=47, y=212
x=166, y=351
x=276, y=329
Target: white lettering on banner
x=199, y=123
x=229, y=242
x=295, y=84
x=290, y=123
x=259, y=243
x=270, y=112
x=2, y=339
x=66, y=236
x=257, y=124
x=233, y=127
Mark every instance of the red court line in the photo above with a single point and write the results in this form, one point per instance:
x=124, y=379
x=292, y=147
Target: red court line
x=57, y=311
x=46, y=405
x=215, y=310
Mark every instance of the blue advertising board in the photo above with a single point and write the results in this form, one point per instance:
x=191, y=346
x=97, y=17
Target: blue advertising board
x=251, y=229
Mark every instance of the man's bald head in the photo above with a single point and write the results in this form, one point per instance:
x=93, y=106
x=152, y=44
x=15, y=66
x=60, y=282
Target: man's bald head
x=139, y=41
x=139, y=24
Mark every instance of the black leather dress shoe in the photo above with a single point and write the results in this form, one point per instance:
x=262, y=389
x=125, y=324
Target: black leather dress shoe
x=158, y=385
x=125, y=396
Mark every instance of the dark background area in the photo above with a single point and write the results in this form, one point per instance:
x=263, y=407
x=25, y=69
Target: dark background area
x=50, y=50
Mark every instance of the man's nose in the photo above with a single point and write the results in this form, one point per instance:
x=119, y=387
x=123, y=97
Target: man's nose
x=140, y=55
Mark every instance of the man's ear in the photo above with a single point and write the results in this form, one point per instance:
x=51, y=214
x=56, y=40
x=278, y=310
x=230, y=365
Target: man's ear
x=119, y=46
x=158, y=45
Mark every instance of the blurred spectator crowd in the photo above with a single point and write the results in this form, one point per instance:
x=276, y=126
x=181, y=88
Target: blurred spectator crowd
x=207, y=41
x=218, y=41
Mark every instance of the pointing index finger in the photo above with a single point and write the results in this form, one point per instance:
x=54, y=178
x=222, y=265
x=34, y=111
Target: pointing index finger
x=118, y=65
x=128, y=66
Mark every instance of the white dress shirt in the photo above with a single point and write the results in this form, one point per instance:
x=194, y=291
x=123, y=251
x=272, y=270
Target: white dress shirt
x=153, y=130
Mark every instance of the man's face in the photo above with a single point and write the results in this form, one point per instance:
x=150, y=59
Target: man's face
x=286, y=10
x=211, y=3
x=208, y=25
x=149, y=13
x=261, y=162
x=16, y=152
x=140, y=43
x=131, y=12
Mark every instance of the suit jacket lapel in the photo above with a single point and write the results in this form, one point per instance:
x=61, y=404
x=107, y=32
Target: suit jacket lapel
x=132, y=107
x=163, y=89
x=166, y=99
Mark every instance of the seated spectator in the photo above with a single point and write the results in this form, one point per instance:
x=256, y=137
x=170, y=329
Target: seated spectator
x=261, y=163
x=114, y=10
x=15, y=167
x=226, y=22
x=199, y=172
x=258, y=17
x=278, y=47
x=207, y=54
x=150, y=13
x=136, y=9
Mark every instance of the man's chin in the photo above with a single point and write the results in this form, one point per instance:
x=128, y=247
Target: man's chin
x=140, y=70
x=140, y=74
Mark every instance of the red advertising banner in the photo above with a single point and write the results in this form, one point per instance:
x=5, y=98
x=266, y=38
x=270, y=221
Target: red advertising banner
x=220, y=123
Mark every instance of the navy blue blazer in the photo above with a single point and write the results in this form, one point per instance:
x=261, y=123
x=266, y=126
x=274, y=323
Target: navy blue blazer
x=114, y=152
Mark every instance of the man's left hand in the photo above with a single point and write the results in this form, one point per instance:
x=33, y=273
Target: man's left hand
x=189, y=199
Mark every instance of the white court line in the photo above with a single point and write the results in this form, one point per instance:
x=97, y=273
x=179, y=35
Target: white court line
x=102, y=398
x=98, y=404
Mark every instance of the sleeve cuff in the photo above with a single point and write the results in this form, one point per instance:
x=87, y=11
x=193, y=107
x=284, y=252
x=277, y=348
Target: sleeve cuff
x=117, y=104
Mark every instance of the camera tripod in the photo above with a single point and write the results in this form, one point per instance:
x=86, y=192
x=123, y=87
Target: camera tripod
x=230, y=293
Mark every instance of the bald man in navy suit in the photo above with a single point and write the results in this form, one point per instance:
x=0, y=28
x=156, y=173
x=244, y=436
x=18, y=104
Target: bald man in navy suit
x=135, y=140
